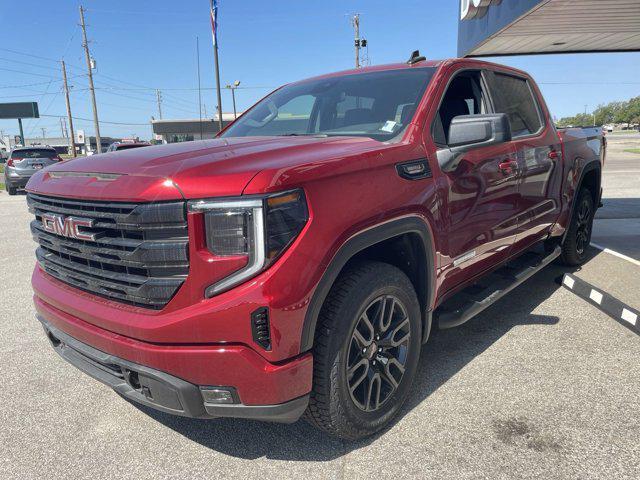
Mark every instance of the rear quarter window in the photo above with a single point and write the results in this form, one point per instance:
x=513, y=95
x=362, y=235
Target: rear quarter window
x=513, y=96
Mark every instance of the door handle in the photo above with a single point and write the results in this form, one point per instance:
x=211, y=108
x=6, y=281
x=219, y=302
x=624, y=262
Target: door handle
x=508, y=167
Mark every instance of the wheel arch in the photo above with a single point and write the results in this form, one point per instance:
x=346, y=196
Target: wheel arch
x=591, y=177
x=406, y=234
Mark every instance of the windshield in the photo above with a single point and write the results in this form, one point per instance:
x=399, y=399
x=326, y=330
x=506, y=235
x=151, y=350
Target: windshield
x=127, y=146
x=34, y=153
x=378, y=105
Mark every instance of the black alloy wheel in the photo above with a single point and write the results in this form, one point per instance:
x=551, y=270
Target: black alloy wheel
x=378, y=352
x=578, y=236
x=366, y=350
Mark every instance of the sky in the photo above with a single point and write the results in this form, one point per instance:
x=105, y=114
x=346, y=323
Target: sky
x=143, y=45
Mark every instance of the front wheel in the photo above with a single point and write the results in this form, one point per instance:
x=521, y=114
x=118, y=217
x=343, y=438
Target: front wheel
x=366, y=351
x=574, y=247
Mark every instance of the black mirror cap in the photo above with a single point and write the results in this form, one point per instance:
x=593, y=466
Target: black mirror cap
x=479, y=130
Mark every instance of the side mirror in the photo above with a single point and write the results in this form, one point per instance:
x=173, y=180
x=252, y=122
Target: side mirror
x=479, y=130
x=473, y=131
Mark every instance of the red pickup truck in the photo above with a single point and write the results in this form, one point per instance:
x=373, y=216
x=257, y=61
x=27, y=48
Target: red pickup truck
x=295, y=265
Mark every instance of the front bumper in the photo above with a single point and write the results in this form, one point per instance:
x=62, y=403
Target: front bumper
x=160, y=390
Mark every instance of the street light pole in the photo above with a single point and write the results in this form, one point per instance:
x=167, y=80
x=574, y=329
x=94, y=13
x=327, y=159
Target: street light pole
x=233, y=87
x=21, y=132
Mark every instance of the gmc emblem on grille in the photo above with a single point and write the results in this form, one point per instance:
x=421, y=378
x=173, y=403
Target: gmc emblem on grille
x=67, y=226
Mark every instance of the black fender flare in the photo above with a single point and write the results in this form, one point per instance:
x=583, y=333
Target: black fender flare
x=588, y=167
x=409, y=224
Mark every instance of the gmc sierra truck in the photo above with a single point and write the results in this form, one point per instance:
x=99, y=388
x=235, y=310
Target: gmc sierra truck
x=296, y=264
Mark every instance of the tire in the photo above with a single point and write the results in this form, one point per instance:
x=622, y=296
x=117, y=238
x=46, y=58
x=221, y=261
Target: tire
x=575, y=244
x=12, y=190
x=356, y=405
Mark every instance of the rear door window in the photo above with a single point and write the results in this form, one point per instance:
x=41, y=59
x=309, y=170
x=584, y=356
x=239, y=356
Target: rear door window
x=513, y=96
x=34, y=153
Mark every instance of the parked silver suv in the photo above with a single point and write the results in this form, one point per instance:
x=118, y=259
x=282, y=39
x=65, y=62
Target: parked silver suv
x=24, y=162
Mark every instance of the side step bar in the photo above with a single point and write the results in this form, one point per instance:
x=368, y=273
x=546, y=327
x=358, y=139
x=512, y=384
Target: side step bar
x=474, y=299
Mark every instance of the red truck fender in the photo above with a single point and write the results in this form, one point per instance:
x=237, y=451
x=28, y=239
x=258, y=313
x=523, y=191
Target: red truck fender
x=424, y=281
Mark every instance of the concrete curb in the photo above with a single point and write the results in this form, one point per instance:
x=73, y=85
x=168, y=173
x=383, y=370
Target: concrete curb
x=622, y=313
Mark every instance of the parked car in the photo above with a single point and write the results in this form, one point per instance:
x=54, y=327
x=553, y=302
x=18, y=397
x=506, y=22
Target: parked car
x=24, y=162
x=297, y=264
x=117, y=146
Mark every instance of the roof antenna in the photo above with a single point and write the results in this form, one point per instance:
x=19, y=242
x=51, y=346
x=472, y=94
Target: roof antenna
x=415, y=57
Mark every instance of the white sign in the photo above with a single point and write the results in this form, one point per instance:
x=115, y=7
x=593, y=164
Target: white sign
x=79, y=136
x=475, y=8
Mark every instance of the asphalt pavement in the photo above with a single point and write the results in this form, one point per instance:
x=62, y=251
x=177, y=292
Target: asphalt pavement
x=540, y=385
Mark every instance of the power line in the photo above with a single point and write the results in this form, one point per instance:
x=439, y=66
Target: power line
x=28, y=63
x=101, y=121
x=28, y=55
x=29, y=73
x=26, y=85
x=37, y=83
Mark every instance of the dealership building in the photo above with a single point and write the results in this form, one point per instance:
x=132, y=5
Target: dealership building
x=172, y=131
x=520, y=27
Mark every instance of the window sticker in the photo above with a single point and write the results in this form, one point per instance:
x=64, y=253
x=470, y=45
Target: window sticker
x=389, y=126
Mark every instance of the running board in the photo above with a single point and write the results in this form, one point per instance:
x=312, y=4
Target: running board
x=469, y=302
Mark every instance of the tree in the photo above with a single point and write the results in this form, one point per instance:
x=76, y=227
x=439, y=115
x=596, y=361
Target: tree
x=613, y=112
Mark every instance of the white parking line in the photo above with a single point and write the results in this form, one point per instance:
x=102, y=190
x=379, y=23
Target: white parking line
x=616, y=254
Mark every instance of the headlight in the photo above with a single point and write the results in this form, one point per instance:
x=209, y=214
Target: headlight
x=259, y=227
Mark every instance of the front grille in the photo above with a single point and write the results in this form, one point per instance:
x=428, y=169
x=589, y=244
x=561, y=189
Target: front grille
x=139, y=256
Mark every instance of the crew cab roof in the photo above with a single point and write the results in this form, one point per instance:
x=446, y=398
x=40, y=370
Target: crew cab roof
x=420, y=64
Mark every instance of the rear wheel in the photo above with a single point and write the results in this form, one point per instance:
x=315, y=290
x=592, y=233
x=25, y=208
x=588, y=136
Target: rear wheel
x=366, y=351
x=11, y=190
x=574, y=247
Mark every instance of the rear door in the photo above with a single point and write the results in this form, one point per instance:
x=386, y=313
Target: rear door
x=481, y=195
x=538, y=155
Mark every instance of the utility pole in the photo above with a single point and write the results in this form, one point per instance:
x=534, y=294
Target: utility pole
x=159, y=99
x=72, y=138
x=355, y=21
x=358, y=42
x=85, y=44
x=44, y=132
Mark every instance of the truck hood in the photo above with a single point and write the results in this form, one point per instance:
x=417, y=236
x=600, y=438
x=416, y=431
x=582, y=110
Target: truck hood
x=209, y=168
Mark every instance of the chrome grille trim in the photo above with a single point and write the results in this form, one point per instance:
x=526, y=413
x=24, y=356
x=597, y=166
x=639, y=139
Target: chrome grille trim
x=139, y=256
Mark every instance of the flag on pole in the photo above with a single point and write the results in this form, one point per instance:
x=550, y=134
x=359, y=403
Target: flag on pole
x=214, y=21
